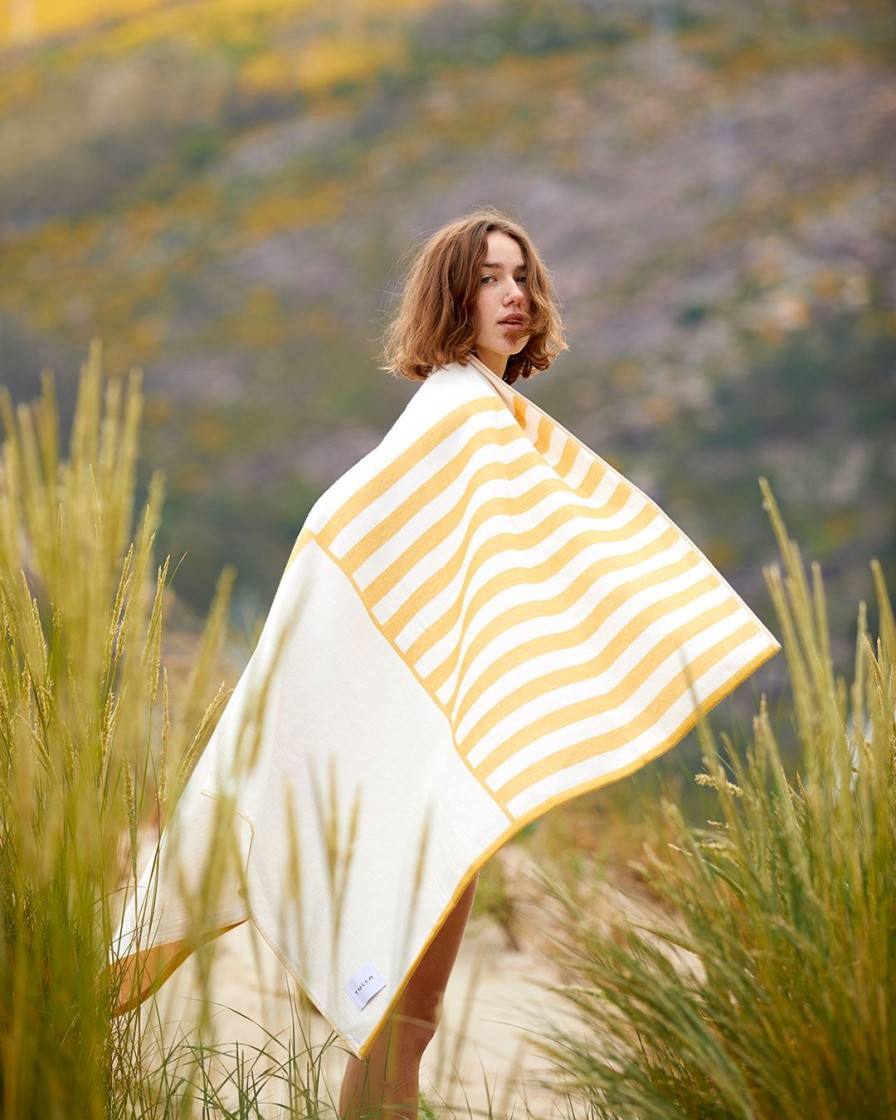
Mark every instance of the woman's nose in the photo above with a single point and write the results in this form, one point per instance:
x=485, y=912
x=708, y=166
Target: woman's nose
x=514, y=293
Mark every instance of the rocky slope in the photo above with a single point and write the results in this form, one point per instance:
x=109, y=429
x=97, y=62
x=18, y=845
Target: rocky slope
x=222, y=194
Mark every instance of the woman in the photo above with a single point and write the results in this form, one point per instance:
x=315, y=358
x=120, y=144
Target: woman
x=478, y=288
x=524, y=626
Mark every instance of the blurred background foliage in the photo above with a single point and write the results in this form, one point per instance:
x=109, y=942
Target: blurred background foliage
x=220, y=191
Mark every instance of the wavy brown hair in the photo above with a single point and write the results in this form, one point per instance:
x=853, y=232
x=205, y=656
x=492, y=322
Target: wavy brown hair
x=436, y=323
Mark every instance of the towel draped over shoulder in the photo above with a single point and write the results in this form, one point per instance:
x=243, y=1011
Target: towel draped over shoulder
x=479, y=621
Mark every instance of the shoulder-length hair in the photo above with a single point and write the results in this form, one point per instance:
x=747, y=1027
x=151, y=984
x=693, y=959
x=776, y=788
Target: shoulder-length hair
x=436, y=322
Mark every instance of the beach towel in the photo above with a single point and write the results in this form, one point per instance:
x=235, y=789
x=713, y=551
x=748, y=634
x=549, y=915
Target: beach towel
x=479, y=621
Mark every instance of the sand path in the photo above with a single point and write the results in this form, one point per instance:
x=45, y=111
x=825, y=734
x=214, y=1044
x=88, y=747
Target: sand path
x=482, y=1060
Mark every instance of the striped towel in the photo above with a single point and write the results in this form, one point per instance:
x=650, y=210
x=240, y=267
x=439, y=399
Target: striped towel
x=479, y=621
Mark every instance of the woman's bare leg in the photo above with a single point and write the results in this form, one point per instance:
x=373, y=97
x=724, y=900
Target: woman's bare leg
x=387, y=1082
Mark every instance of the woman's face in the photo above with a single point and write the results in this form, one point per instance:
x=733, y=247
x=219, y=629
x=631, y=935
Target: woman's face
x=502, y=305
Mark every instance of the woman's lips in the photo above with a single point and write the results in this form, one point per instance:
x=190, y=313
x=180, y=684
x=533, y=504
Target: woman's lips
x=513, y=322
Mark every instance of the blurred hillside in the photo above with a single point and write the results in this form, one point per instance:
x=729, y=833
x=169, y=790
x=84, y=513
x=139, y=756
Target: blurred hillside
x=221, y=189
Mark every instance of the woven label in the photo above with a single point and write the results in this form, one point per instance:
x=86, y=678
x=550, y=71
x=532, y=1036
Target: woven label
x=364, y=985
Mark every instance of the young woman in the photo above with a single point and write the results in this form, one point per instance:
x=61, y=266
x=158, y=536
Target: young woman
x=525, y=625
x=477, y=289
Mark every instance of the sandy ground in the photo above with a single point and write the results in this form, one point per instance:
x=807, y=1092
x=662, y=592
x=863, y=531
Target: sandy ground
x=483, y=1059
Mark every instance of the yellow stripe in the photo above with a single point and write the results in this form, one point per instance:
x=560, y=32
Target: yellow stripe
x=519, y=410
x=592, y=479
x=567, y=458
x=534, y=647
x=390, y=526
x=543, y=435
x=670, y=737
x=509, y=542
x=522, y=577
x=589, y=705
x=575, y=674
x=522, y=502
x=400, y=466
x=442, y=529
x=606, y=565
x=553, y=563
x=589, y=748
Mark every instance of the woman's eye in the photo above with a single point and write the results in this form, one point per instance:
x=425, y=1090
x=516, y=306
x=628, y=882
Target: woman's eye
x=522, y=279
x=486, y=279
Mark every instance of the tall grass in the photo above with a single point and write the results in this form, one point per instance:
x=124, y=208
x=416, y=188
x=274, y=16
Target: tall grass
x=768, y=988
x=92, y=740
x=96, y=742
